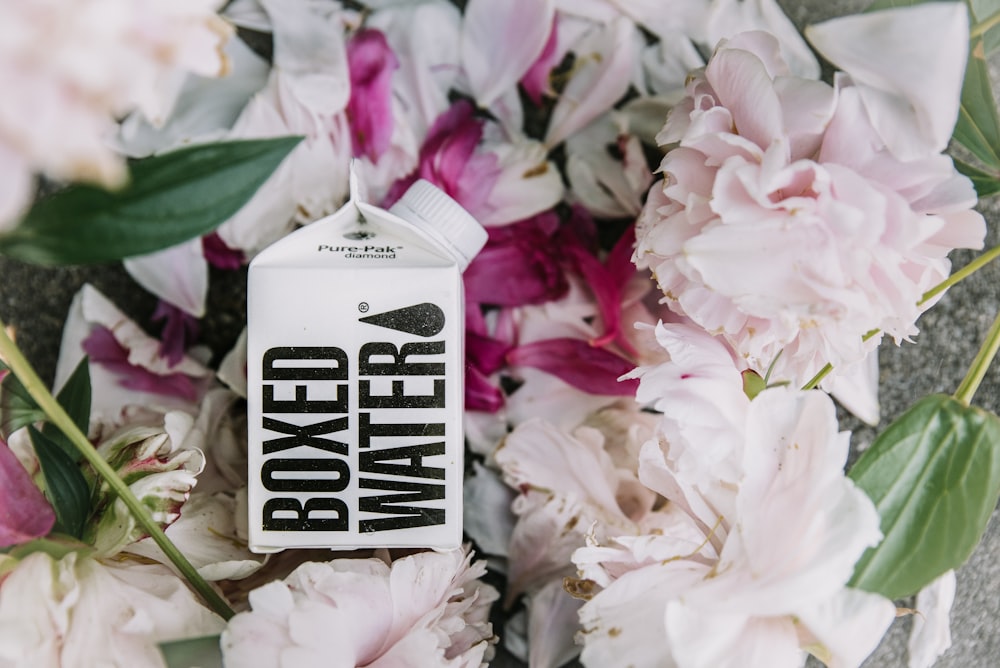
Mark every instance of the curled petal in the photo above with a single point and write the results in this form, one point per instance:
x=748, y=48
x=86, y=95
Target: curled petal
x=501, y=41
x=593, y=370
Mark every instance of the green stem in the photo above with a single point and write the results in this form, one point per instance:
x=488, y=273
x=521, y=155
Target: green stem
x=961, y=274
x=57, y=416
x=984, y=26
x=967, y=389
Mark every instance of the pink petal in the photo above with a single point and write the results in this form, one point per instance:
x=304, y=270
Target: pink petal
x=536, y=80
x=480, y=393
x=593, y=370
x=500, y=41
x=24, y=512
x=371, y=63
x=104, y=349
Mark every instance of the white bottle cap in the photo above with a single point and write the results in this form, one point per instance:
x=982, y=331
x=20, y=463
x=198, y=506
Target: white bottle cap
x=435, y=213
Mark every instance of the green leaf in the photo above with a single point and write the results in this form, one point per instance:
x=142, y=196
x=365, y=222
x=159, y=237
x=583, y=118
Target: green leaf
x=17, y=408
x=74, y=397
x=984, y=17
x=171, y=198
x=879, y=5
x=204, y=652
x=978, y=128
x=986, y=183
x=65, y=485
x=934, y=475
x=753, y=384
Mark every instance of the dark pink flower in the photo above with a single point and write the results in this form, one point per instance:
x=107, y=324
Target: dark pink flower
x=104, y=349
x=519, y=265
x=449, y=160
x=371, y=63
x=24, y=512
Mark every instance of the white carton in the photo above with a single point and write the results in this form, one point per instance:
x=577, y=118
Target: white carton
x=355, y=366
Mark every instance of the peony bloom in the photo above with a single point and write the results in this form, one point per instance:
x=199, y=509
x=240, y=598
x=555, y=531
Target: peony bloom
x=76, y=66
x=750, y=574
x=428, y=609
x=763, y=231
x=77, y=612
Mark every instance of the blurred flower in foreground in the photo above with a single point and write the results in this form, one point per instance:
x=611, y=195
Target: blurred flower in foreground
x=427, y=609
x=76, y=612
x=76, y=66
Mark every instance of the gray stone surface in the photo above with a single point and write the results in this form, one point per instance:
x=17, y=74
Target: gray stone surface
x=35, y=301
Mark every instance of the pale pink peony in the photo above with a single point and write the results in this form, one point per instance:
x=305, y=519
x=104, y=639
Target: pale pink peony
x=72, y=68
x=77, y=612
x=754, y=577
x=428, y=609
x=784, y=225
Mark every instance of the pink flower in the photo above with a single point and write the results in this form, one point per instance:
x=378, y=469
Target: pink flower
x=763, y=234
x=753, y=580
x=428, y=609
x=369, y=109
x=24, y=512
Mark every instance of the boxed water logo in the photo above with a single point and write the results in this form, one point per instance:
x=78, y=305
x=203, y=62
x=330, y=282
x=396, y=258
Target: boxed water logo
x=355, y=369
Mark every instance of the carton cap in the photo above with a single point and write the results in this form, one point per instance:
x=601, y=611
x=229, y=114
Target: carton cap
x=435, y=213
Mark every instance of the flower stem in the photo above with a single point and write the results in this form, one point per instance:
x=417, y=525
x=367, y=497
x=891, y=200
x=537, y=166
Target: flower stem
x=984, y=26
x=57, y=416
x=961, y=274
x=967, y=389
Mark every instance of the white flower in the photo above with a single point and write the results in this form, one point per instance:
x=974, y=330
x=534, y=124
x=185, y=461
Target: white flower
x=753, y=584
x=424, y=610
x=71, y=68
x=76, y=612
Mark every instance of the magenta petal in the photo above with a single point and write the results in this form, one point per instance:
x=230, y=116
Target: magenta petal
x=536, y=80
x=180, y=329
x=371, y=63
x=24, y=512
x=592, y=370
x=103, y=348
x=480, y=393
x=485, y=353
x=519, y=265
x=219, y=255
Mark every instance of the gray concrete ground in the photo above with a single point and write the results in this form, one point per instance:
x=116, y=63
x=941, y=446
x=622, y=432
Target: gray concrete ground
x=35, y=301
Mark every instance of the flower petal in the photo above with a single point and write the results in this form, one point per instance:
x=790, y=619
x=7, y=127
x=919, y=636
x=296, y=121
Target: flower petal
x=501, y=41
x=24, y=512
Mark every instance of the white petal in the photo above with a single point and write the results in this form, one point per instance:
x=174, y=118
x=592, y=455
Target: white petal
x=729, y=17
x=856, y=388
x=910, y=63
x=931, y=633
x=606, y=60
x=528, y=183
x=552, y=623
x=488, y=519
x=205, y=109
x=848, y=627
x=500, y=41
x=178, y=275
x=723, y=640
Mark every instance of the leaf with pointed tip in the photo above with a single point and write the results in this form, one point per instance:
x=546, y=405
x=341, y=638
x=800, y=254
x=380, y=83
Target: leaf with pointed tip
x=171, y=198
x=986, y=183
x=17, y=408
x=978, y=127
x=65, y=485
x=74, y=397
x=934, y=475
